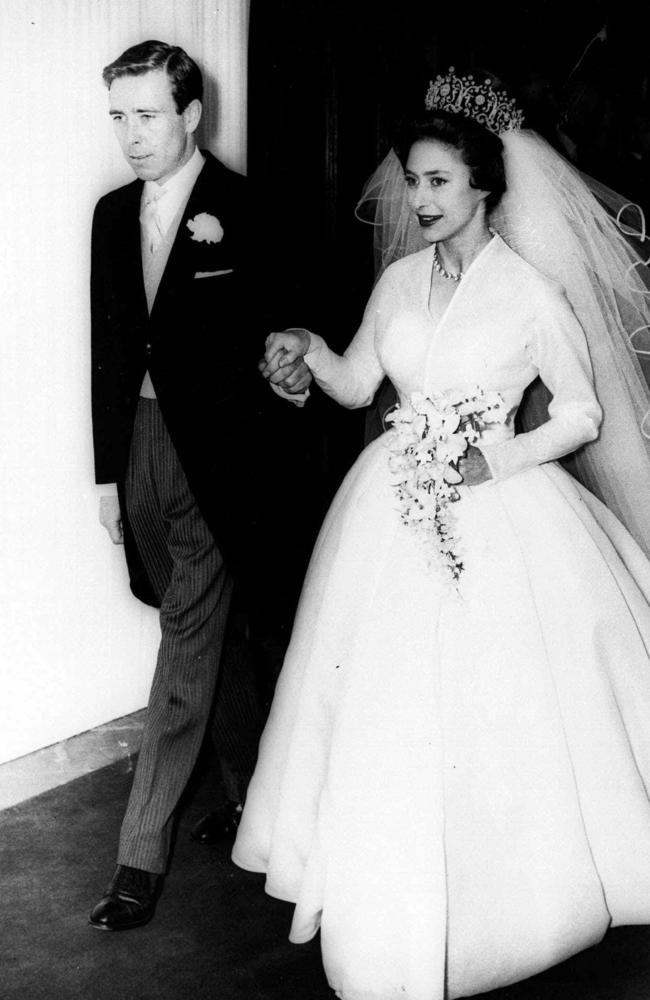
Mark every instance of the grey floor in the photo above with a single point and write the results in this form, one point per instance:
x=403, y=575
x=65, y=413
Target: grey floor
x=216, y=934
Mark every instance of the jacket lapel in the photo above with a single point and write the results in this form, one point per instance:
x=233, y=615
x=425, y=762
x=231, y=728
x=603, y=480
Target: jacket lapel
x=181, y=263
x=126, y=250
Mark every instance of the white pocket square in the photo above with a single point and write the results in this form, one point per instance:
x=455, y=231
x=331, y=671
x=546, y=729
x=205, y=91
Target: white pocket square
x=213, y=274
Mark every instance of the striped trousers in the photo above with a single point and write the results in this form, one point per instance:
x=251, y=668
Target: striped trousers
x=195, y=591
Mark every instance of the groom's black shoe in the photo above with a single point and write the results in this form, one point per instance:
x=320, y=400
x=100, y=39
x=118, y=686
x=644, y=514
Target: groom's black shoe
x=218, y=827
x=129, y=901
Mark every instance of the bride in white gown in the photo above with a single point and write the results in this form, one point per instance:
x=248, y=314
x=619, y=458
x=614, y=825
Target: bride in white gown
x=455, y=791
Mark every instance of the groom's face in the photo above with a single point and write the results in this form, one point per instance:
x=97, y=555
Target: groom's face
x=156, y=139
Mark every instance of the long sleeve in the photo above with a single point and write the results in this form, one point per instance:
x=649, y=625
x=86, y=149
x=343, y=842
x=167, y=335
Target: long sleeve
x=352, y=378
x=557, y=349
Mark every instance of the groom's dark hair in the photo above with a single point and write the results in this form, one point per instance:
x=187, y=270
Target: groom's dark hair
x=184, y=75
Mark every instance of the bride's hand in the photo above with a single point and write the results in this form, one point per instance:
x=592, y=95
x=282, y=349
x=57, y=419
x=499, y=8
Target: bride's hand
x=473, y=467
x=283, y=350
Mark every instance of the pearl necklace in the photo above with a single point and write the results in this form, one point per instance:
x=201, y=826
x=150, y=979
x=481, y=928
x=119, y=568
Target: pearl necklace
x=443, y=270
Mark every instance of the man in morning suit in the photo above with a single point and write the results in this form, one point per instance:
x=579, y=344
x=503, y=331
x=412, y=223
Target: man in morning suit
x=177, y=413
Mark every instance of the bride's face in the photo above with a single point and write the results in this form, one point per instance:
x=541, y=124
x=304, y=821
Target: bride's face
x=439, y=190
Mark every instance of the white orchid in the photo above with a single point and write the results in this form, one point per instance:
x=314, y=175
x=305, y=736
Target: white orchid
x=452, y=448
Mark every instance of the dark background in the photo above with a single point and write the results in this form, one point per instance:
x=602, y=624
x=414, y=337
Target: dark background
x=327, y=82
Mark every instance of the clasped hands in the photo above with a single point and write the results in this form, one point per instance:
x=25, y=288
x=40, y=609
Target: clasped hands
x=283, y=363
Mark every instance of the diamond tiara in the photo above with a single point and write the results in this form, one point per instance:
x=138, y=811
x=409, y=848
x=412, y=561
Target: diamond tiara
x=463, y=95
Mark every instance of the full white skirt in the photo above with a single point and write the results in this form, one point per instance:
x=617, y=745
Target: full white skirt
x=456, y=792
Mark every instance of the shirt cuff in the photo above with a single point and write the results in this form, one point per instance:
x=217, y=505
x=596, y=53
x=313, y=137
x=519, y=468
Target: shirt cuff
x=297, y=398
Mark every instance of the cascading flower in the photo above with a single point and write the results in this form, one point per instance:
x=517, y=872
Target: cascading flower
x=430, y=436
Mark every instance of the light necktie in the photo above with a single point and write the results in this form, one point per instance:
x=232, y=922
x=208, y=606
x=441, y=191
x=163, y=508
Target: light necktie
x=151, y=222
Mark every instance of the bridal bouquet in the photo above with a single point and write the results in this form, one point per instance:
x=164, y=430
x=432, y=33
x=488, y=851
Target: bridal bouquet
x=431, y=434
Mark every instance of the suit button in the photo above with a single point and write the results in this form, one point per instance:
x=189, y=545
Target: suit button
x=148, y=348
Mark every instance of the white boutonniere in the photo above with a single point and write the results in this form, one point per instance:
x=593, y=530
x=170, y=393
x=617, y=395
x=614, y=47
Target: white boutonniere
x=205, y=228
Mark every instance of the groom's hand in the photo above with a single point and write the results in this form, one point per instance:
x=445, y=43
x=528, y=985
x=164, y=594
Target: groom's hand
x=111, y=518
x=294, y=377
x=283, y=364
x=299, y=380
x=283, y=350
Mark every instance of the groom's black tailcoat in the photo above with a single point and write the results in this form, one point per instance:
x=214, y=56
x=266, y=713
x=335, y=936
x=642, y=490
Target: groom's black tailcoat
x=200, y=346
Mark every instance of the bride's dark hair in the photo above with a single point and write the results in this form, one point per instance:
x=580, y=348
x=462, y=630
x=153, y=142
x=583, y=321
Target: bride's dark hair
x=481, y=150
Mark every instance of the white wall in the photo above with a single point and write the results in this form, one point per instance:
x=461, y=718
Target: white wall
x=76, y=649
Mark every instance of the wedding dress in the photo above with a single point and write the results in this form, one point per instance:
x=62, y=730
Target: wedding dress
x=455, y=791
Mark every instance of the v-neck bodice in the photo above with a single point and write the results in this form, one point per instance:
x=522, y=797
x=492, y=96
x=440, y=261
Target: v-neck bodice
x=421, y=354
x=462, y=284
